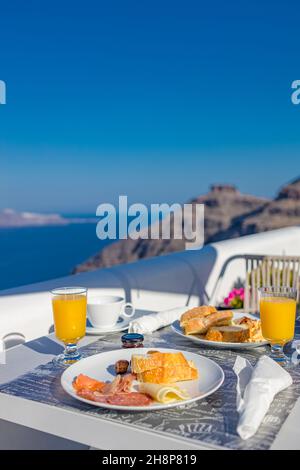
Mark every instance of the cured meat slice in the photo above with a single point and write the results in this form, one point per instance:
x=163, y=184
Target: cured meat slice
x=117, y=392
x=127, y=382
x=129, y=399
x=87, y=383
x=93, y=396
x=113, y=387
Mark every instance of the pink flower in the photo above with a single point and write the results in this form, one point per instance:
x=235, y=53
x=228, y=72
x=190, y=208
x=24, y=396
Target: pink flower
x=236, y=295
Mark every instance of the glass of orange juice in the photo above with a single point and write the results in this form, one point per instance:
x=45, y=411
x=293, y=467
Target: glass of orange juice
x=69, y=312
x=278, y=316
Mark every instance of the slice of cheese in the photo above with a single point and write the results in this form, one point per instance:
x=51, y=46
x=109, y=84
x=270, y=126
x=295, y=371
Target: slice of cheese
x=164, y=393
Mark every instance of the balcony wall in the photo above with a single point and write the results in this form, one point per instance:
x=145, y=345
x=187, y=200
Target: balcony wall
x=179, y=279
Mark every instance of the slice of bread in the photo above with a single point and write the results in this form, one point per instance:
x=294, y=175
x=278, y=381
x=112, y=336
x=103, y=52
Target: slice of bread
x=141, y=363
x=196, y=312
x=168, y=375
x=202, y=324
x=228, y=334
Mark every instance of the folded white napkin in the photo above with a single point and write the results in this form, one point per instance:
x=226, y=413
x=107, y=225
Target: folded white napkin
x=153, y=322
x=256, y=388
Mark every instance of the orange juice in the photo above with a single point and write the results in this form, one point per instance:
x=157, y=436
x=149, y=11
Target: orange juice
x=69, y=317
x=278, y=316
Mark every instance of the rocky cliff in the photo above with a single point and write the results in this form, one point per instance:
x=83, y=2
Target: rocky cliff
x=222, y=204
x=228, y=214
x=283, y=211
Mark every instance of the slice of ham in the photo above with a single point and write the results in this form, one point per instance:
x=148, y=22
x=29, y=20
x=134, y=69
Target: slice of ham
x=113, y=387
x=93, y=396
x=117, y=392
x=121, y=399
x=129, y=399
x=127, y=381
x=119, y=384
x=84, y=382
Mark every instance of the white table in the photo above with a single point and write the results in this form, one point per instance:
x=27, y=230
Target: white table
x=89, y=430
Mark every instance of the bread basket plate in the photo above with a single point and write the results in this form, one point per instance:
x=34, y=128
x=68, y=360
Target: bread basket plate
x=220, y=344
x=101, y=367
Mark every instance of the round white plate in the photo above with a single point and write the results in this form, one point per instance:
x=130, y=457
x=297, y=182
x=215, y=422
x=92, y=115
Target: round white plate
x=220, y=344
x=101, y=367
x=121, y=325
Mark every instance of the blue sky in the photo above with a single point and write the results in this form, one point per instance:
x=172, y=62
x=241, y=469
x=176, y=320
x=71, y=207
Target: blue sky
x=155, y=100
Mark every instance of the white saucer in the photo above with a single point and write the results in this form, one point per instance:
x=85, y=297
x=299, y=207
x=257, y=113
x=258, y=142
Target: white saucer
x=121, y=325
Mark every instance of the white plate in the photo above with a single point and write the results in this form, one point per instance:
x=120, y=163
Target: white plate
x=101, y=367
x=220, y=344
x=121, y=325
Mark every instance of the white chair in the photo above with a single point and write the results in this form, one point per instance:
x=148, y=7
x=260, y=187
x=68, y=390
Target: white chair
x=261, y=270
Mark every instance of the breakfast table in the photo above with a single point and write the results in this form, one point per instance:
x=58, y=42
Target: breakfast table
x=31, y=395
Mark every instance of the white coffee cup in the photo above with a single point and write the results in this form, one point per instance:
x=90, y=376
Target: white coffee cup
x=103, y=311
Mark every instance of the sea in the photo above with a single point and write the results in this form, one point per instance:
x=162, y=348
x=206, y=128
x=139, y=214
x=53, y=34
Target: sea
x=34, y=254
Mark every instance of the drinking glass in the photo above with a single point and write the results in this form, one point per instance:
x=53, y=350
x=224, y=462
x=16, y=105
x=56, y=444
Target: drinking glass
x=69, y=313
x=278, y=316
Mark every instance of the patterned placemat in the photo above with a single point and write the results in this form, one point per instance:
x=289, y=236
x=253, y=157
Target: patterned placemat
x=212, y=420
